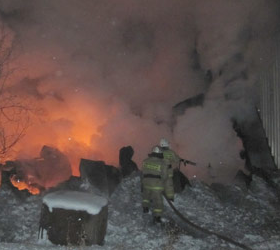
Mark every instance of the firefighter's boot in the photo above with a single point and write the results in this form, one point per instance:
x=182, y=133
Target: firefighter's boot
x=145, y=210
x=157, y=219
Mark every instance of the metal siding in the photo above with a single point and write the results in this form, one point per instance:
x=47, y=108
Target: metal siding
x=270, y=104
x=277, y=90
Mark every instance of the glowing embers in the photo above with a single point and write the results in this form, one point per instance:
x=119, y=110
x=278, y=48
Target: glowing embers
x=21, y=185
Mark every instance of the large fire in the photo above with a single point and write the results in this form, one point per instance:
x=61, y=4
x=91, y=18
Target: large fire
x=72, y=127
x=48, y=170
x=21, y=185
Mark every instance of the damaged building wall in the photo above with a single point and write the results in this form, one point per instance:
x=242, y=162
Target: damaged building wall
x=269, y=106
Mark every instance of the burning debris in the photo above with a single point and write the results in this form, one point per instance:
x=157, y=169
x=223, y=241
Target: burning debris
x=35, y=175
x=22, y=185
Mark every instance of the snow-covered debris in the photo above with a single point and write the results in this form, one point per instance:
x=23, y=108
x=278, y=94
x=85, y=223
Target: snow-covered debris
x=74, y=200
x=254, y=222
x=74, y=218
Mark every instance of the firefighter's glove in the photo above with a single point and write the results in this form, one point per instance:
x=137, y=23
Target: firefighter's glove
x=184, y=161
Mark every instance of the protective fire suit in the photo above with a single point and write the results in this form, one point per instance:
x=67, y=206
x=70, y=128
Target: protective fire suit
x=154, y=176
x=173, y=161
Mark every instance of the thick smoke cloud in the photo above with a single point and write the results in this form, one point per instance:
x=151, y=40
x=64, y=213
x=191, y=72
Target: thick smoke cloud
x=107, y=74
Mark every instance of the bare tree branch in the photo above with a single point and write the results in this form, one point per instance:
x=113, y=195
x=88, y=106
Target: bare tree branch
x=14, y=111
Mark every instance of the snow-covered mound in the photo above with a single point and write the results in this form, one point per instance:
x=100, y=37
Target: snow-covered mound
x=250, y=217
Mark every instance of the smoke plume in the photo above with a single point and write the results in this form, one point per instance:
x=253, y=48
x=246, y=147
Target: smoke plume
x=107, y=74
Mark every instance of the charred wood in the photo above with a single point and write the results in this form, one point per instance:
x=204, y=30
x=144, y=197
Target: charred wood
x=103, y=177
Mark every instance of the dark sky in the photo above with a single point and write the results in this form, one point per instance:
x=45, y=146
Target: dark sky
x=107, y=73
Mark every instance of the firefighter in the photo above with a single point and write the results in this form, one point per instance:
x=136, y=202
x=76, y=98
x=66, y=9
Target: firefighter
x=173, y=161
x=154, y=176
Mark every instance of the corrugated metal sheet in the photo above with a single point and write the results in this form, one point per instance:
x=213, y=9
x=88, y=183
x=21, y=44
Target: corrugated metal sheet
x=270, y=105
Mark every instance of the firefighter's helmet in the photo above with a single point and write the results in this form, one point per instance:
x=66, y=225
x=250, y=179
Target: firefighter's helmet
x=157, y=150
x=164, y=143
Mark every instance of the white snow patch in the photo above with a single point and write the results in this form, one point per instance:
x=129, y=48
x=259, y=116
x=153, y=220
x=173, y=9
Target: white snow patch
x=74, y=200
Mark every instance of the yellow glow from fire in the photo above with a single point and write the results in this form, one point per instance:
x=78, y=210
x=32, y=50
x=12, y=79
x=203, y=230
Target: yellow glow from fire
x=21, y=185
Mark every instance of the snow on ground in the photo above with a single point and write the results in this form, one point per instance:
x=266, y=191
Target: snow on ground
x=251, y=217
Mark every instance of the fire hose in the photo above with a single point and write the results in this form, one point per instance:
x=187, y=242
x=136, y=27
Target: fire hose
x=203, y=229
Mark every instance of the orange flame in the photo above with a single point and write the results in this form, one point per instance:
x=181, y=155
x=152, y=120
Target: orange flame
x=21, y=185
x=72, y=129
